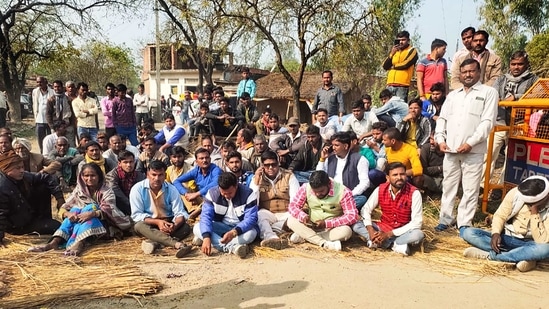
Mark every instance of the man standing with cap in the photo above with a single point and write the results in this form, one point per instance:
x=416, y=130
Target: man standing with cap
x=519, y=227
x=25, y=198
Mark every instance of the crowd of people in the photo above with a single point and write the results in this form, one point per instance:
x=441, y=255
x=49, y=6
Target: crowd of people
x=321, y=183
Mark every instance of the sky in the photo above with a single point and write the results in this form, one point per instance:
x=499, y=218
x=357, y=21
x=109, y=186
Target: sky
x=442, y=19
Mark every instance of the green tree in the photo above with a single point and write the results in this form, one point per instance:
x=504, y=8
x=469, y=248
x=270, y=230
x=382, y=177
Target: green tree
x=308, y=26
x=538, y=49
x=201, y=32
x=511, y=22
x=361, y=54
x=95, y=63
x=30, y=30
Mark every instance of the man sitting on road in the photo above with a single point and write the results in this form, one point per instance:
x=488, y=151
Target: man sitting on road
x=158, y=212
x=205, y=176
x=275, y=187
x=519, y=227
x=229, y=218
x=331, y=212
x=401, y=213
x=122, y=179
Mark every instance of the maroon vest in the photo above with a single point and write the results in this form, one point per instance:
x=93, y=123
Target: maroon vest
x=398, y=212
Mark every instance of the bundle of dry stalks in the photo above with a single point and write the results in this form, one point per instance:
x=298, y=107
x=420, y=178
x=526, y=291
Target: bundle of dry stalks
x=49, y=278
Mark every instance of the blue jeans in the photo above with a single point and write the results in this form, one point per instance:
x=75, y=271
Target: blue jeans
x=360, y=200
x=130, y=133
x=303, y=176
x=42, y=129
x=512, y=249
x=399, y=91
x=219, y=229
x=412, y=237
x=91, y=131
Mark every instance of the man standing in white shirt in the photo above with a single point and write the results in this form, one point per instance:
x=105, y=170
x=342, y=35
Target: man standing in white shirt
x=141, y=103
x=40, y=96
x=466, y=119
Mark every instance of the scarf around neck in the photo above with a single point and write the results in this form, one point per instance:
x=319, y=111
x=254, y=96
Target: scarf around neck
x=100, y=162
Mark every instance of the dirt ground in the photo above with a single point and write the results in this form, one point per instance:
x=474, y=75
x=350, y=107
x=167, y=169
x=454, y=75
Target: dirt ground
x=312, y=278
x=327, y=280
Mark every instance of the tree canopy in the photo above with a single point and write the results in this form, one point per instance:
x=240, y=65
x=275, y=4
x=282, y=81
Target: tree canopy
x=31, y=30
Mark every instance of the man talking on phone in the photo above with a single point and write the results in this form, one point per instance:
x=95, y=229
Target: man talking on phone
x=400, y=65
x=275, y=185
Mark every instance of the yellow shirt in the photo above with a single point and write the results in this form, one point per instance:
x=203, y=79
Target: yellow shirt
x=406, y=155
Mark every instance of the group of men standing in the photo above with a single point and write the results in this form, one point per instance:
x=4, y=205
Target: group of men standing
x=461, y=129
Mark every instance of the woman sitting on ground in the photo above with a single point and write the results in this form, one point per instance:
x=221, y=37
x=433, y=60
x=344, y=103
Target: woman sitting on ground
x=88, y=212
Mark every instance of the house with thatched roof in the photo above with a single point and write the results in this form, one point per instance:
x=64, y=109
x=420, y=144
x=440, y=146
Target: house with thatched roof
x=273, y=90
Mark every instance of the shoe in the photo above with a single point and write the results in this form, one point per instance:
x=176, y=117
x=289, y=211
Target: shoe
x=476, y=253
x=524, y=266
x=183, y=251
x=240, y=250
x=371, y=245
x=402, y=249
x=296, y=239
x=275, y=243
x=148, y=246
x=332, y=245
x=441, y=227
x=197, y=241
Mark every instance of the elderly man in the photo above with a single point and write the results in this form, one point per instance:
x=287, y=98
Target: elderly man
x=117, y=143
x=34, y=162
x=331, y=212
x=465, y=121
x=69, y=158
x=25, y=198
x=275, y=187
x=260, y=146
x=158, y=212
x=519, y=228
x=229, y=218
x=401, y=213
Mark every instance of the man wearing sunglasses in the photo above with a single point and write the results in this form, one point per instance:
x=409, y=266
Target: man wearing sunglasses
x=275, y=185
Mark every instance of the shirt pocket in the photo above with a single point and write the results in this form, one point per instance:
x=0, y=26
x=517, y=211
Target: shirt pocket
x=476, y=107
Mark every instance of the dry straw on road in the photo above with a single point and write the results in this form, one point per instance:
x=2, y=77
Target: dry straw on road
x=111, y=269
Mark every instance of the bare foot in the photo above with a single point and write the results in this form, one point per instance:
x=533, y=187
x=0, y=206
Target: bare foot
x=44, y=248
x=76, y=249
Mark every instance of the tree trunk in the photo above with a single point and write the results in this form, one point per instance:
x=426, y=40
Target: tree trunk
x=296, y=95
x=14, y=107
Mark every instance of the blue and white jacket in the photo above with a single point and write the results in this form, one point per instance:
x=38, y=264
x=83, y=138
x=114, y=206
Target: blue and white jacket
x=215, y=208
